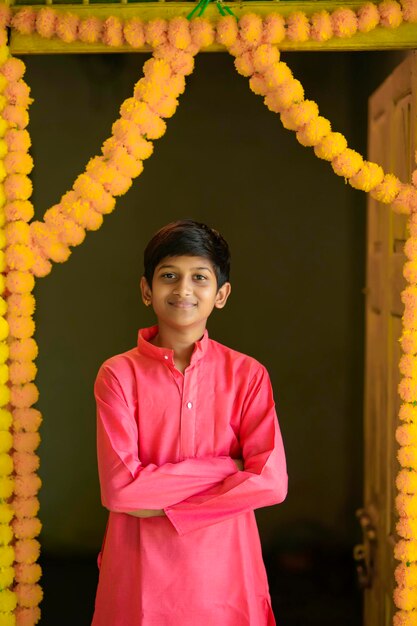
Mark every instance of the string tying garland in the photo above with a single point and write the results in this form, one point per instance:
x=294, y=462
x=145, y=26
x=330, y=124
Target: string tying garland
x=28, y=248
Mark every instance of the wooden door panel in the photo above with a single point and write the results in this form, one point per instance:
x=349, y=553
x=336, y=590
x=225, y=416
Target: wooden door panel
x=391, y=131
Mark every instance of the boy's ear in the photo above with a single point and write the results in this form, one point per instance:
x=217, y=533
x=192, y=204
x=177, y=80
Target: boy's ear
x=222, y=295
x=145, y=290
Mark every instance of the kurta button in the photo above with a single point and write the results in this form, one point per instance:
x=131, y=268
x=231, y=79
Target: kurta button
x=165, y=356
x=189, y=404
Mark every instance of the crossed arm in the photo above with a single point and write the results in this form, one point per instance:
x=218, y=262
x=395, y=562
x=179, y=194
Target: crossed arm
x=195, y=492
x=161, y=512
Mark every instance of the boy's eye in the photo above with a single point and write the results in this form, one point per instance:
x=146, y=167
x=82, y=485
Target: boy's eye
x=169, y=274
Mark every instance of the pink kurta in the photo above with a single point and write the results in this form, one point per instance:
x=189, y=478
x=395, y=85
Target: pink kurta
x=165, y=440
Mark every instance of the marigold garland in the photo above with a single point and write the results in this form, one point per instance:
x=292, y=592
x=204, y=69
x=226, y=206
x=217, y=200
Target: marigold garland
x=27, y=247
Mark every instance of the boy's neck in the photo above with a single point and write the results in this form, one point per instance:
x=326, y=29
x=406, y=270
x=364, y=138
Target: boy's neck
x=181, y=341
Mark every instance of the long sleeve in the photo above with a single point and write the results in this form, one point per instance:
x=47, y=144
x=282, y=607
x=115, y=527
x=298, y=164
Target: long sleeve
x=263, y=481
x=125, y=483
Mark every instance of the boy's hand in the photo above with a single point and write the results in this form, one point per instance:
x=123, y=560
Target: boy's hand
x=144, y=512
x=239, y=463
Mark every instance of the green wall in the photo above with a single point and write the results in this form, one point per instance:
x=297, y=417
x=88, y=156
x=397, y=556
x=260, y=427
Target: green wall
x=297, y=236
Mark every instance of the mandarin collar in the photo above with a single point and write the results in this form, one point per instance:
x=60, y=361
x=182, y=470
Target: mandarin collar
x=167, y=354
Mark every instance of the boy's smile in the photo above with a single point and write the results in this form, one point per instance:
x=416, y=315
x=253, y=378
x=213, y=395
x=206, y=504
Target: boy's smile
x=184, y=291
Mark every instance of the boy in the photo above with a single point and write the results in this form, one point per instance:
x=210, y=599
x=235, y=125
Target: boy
x=188, y=446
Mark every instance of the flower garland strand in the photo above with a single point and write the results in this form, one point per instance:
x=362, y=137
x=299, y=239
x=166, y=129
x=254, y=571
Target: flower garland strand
x=141, y=121
x=405, y=593
x=8, y=599
x=321, y=26
x=21, y=348
x=257, y=58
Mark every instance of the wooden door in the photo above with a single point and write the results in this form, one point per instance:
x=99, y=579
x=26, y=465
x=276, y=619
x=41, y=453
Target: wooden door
x=391, y=142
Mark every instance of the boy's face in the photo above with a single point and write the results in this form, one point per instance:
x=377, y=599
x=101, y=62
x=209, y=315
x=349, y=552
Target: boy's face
x=184, y=291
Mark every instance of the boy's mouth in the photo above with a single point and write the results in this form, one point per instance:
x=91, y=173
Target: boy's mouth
x=183, y=304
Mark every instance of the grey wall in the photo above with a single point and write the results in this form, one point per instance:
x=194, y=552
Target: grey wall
x=297, y=236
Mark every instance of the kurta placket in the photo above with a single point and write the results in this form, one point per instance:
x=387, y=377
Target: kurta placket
x=165, y=441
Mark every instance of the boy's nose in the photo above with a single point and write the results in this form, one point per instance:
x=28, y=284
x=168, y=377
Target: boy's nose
x=183, y=287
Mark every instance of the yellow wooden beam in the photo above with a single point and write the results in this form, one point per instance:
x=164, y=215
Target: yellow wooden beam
x=378, y=39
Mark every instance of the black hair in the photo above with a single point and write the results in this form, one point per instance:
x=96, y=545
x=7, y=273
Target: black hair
x=190, y=238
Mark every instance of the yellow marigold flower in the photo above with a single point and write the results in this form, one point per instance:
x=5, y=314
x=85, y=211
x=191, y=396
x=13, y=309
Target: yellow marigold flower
x=257, y=85
x=321, y=26
x=6, y=487
x=21, y=326
x=299, y=114
x=19, y=257
x=410, y=271
x=406, y=481
x=6, y=556
x=3, y=83
x=265, y=56
x=408, y=365
x=28, y=573
x=407, y=527
x=369, y=176
x=9, y=619
x=6, y=534
x=6, y=465
x=406, y=504
x=408, y=413
x=406, y=200
x=250, y=28
x=407, y=456
x=27, y=528
x=407, y=389
x=3, y=146
x=4, y=328
x=406, y=576
x=405, y=598
x=348, y=163
x=244, y=64
x=368, y=17
x=157, y=69
x=28, y=595
x=278, y=74
x=148, y=90
x=20, y=282
x=298, y=26
x=406, y=434
x=4, y=373
x=27, y=550
x=3, y=102
x=179, y=32
x=314, y=131
x=6, y=512
x=227, y=30
x=405, y=618
x=406, y=550
x=6, y=577
x=4, y=395
x=202, y=32
x=8, y=600
x=6, y=419
x=4, y=351
x=22, y=372
x=330, y=146
x=6, y=441
x=3, y=172
x=4, y=126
